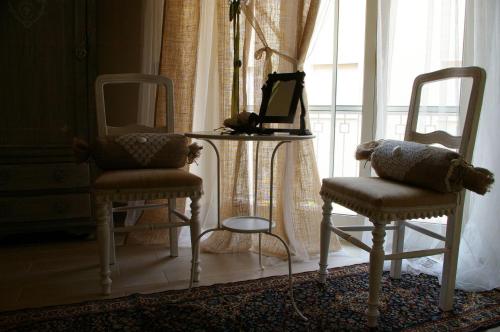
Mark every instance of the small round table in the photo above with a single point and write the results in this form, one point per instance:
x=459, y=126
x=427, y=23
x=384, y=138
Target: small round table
x=253, y=223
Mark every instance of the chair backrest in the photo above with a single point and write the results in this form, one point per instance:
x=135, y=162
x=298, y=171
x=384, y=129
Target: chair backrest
x=463, y=143
x=102, y=80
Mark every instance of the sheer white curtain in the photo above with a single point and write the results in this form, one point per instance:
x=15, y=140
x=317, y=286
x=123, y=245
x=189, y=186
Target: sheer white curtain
x=206, y=99
x=415, y=37
x=479, y=259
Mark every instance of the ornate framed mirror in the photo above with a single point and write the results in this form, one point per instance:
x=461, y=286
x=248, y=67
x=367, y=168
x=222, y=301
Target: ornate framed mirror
x=280, y=97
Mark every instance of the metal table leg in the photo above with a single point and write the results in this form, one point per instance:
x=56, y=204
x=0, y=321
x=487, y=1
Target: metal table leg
x=218, y=179
x=290, y=278
x=269, y=232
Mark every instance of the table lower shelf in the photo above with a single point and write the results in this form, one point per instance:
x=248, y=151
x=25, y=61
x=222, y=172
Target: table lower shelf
x=246, y=224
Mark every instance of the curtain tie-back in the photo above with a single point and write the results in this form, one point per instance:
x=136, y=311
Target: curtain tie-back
x=269, y=52
x=258, y=53
x=268, y=66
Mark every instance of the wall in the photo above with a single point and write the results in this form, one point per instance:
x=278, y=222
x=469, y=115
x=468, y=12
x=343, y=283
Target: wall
x=119, y=47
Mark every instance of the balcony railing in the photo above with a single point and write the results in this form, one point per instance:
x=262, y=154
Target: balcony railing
x=348, y=132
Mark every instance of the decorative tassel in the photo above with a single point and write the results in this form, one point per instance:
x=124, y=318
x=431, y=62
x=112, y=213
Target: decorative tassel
x=194, y=152
x=477, y=179
x=364, y=151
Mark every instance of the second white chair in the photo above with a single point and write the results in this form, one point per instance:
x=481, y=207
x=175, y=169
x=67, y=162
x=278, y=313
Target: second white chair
x=384, y=201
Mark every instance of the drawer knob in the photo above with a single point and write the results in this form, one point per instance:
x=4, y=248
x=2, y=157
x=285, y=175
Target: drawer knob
x=81, y=51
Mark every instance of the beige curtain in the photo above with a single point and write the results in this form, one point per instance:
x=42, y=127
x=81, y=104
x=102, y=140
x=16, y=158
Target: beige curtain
x=177, y=62
x=285, y=27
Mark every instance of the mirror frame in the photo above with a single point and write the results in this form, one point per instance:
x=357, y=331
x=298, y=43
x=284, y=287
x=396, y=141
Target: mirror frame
x=267, y=89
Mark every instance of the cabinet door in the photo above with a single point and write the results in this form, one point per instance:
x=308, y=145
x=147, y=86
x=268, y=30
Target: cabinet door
x=43, y=89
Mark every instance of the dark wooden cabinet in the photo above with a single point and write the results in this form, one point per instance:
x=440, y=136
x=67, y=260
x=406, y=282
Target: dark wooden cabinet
x=48, y=66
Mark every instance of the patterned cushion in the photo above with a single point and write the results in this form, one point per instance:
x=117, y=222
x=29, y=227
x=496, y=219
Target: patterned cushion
x=425, y=166
x=418, y=164
x=140, y=150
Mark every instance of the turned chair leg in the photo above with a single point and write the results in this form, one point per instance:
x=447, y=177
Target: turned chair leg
x=450, y=261
x=195, y=232
x=375, y=272
x=173, y=231
x=325, y=239
x=103, y=238
x=112, y=245
x=398, y=239
x=173, y=234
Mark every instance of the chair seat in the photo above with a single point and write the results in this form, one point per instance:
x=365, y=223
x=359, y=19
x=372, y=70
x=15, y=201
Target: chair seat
x=156, y=182
x=385, y=200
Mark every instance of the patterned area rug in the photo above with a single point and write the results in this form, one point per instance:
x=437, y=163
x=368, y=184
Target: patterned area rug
x=263, y=305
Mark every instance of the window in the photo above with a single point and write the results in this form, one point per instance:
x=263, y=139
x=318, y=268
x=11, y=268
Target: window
x=335, y=77
x=420, y=36
x=334, y=82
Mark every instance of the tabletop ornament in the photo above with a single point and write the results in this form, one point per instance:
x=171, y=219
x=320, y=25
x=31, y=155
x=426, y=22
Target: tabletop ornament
x=239, y=121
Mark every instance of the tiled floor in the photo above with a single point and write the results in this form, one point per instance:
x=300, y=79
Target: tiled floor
x=58, y=273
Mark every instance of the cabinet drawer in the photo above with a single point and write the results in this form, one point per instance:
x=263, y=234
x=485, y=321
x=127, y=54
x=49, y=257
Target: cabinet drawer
x=47, y=207
x=43, y=176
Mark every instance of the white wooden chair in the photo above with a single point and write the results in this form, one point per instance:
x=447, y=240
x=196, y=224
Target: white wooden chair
x=140, y=184
x=383, y=201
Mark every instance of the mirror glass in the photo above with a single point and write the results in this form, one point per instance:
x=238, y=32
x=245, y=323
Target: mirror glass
x=281, y=98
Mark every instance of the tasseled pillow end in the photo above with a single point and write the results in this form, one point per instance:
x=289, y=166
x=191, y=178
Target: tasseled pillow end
x=194, y=152
x=478, y=179
x=364, y=151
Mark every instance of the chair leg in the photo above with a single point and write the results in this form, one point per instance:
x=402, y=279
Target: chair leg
x=375, y=272
x=112, y=245
x=398, y=239
x=103, y=238
x=325, y=239
x=449, y=273
x=173, y=231
x=195, y=232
